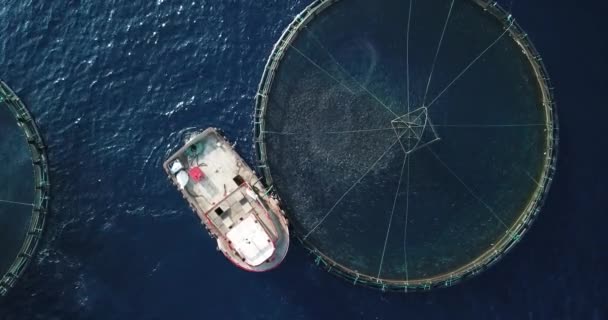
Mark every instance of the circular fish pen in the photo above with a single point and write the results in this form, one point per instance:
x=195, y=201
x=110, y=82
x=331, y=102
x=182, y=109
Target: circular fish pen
x=412, y=143
x=24, y=193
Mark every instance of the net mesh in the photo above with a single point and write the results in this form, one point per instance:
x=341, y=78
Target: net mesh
x=24, y=194
x=411, y=145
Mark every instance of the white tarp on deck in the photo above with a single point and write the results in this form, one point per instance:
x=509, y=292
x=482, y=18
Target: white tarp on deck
x=251, y=241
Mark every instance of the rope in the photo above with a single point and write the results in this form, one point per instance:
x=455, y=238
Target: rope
x=331, y=56
x=434, y=125
x=280, y=133
x=532, y=178
x=350, y=189
x=328, y=132
x=19, y=203
x=390, y=221
x=470, y=64
x=407, y=209
x=378, y=100
x=445, y=26
x=407, y=56
x=320, y=68
x=490, y=125
x=354, y=80
x=355, y=131
x=469, y=189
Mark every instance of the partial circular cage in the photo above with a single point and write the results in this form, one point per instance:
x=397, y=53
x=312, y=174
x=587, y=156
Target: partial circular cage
x=24, y=188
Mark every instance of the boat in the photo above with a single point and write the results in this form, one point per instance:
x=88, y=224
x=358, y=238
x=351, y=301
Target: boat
x=233, y=204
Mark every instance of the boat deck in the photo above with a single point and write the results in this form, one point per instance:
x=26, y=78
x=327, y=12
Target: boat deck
x=225, y=192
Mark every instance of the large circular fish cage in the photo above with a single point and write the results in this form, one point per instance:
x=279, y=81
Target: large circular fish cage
x=24, y=191
x=411, y=143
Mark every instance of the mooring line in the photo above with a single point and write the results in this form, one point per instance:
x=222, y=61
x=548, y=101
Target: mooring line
x=468, y=188
x=407, y=211
x=350, y=189
x=320, y=68
x=445, y=26
x=356, y=82
x=328, y=132
x=490, y=125
x=471, y=64
x=17, y=202
x=407, y=55
x=390, y=221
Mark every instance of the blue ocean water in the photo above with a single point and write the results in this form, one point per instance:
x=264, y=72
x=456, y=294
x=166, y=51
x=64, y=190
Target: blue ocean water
x=115, y=84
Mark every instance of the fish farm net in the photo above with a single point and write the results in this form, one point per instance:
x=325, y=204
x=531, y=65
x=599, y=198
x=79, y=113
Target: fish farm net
x=24, y=191
x=411, y=142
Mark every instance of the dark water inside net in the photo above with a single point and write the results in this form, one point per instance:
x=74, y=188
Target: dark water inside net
x=347, y=72
x=17, y=185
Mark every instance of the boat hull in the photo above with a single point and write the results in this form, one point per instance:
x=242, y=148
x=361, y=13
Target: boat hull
x=221, y=165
